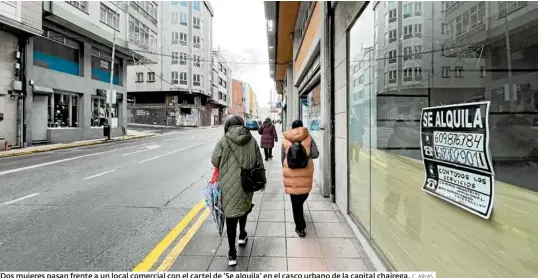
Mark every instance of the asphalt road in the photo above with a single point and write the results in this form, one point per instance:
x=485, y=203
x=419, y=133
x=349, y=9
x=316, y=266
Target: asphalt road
x=100, y=207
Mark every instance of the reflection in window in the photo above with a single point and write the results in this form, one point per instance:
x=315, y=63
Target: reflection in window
x=459, y=56
x=63, y=110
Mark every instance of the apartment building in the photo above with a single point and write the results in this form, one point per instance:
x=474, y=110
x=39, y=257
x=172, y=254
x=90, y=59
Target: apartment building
x=68, y=65
x=236, y=106
x=18, y=22
x=221, y=79
x=176, y=88
x=378, y=65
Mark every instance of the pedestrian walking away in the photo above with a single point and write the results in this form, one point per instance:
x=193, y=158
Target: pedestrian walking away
x=236, y=150
x=297, y=154
x=268, y=139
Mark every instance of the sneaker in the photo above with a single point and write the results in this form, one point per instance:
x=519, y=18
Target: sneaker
x=243, y=241
x=232, y=260
x=301, y=233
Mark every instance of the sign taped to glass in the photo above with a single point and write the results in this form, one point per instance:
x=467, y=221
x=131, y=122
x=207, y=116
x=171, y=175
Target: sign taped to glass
x=456, y=156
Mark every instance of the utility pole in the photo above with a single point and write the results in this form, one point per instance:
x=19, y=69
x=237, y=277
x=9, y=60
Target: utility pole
x=109, y=98
x=509, y=65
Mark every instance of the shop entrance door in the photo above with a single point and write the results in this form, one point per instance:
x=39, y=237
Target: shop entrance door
x=39, y=118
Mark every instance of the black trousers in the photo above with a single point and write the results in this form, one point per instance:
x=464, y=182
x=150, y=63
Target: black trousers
x=297, y=210
x=268, y=153
x=231, y=227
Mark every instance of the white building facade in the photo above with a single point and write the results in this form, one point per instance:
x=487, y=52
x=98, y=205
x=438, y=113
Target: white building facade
x=180, y=77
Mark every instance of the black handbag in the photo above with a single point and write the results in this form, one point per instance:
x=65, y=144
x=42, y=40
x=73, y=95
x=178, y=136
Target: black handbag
x=252, y=179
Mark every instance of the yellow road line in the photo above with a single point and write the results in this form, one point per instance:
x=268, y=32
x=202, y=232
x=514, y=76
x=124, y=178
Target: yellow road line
x=154, y=255
x=177, y=250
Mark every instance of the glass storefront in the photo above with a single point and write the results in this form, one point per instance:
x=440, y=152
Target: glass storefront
x=406, y=56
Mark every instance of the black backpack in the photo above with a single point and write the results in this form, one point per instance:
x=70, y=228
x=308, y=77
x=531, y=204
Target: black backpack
x=297, y=157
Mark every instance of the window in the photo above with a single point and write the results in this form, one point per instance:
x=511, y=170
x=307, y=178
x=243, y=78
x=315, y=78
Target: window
x=175, y=57
x=418, y=73
x=196, y=5
x=140, y=77
x=153, y=40
x=174, y=19
x=196, y=61
x=81, y=5
x=183, y=19
x=183, y=58
x=392, y=56
x=508, y=7
x=445, y=71
x=183, y=38
x=392, y=76
x=110, y=17
x=392, y=35
x=174, y=3
x=146, y=9
x=418, y=7
x=418, y=29
x=407, y=11
x=63, y=110
x=183, y=3
x=393, y=15
x=458, y=71
x=224, y=70
x=224, y=84
x=408, y=74
x=196, y=41
x=196, y=79
x=220, y=81
x=55, y=51
x=98, y=110
x=101, y=66
x=418, y=51
x=408, y=31
x=139, y=33
x=174, y=38
x=174, y=77
x=151, y=76
x=196, y=22
x=407, y=53
x=183, y=78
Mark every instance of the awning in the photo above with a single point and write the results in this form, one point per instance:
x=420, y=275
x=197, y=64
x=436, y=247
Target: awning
x=42, y=90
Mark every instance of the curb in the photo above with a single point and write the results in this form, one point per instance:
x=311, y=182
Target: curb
x=71, y=146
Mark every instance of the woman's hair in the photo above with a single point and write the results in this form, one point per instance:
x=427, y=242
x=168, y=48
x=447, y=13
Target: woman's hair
x=267, y=120
x=235, y=120
x=297, y=123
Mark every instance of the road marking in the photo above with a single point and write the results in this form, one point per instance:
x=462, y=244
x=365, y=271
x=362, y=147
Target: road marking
x=177, y=250
x=178, y=150
x=60, y=161
x=19, y=199
x=143, y=149
x=100, y=174
x=154, y=255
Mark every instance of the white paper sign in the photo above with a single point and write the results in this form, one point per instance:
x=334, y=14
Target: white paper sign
x=456, y=156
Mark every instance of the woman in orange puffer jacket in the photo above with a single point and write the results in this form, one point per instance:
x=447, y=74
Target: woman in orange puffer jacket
x=298, y=182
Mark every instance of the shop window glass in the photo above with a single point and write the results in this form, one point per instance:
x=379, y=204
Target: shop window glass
x=63, y=110
x=386, y=171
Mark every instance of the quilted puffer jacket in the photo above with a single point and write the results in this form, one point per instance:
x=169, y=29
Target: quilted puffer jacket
x=237, y=141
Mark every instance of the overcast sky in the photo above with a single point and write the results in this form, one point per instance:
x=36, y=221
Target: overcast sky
x=239, y=29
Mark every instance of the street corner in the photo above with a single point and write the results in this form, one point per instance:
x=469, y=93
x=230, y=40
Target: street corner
x=179, y=241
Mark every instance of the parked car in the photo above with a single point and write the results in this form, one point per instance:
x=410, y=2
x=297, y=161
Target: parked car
x=251, y=125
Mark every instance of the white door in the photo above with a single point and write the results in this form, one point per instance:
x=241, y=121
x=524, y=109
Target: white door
x=39, y=118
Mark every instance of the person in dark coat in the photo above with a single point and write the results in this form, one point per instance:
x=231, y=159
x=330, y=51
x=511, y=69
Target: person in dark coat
x=269, y=137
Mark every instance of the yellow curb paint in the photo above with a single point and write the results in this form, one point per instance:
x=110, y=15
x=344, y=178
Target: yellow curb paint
x=154, y=255
x=177, y=250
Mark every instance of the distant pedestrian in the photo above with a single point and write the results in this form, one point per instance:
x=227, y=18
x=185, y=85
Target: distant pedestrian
x=236, y=150
x=298, y=151
x=268, y=139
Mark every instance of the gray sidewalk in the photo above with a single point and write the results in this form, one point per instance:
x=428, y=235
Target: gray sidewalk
x=273, y=245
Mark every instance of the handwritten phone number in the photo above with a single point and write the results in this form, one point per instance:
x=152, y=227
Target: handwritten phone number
x=465, y=140
x=461, y=156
